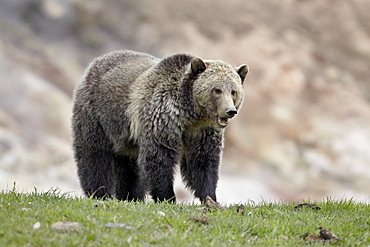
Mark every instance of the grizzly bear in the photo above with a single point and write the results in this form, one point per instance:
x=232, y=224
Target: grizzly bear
x=135, y=117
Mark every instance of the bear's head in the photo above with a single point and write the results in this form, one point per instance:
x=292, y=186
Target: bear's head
x=218, y=89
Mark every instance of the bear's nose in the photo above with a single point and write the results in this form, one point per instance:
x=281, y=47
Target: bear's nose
x=231, y=112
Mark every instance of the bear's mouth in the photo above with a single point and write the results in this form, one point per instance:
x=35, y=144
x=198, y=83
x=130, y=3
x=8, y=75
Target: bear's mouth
x=222, y=122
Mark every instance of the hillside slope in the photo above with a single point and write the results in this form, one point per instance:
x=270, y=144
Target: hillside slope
x=303, y=130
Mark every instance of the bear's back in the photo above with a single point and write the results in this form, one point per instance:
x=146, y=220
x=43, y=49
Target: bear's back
x=108, y=78
x=119, y=66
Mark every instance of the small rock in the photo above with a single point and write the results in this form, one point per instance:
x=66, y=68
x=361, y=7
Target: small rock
x=284, y=237
x=326, y=234
x=240, y=209
x=161, y=213
x=201, y=219
x=314, y=237
x=117, y=225
x=36, y=226
x=66, y=226
x=309, y=205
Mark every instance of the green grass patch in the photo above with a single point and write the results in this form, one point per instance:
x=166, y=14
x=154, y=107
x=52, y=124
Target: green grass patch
x=26, y=219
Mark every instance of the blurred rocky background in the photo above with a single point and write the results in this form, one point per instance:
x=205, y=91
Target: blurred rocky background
x=303, y=132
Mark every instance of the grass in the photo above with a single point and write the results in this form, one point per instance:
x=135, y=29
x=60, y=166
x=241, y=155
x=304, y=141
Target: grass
x=164, y=224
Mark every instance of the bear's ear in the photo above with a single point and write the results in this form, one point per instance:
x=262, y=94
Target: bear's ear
x=242, y=71
x=197, y=66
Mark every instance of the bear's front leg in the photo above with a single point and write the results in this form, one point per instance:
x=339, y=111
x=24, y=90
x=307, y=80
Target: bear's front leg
x=200, y=162
x=158, y=162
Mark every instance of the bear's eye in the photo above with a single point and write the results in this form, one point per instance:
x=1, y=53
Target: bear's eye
x=233, y=92
x=218, y=91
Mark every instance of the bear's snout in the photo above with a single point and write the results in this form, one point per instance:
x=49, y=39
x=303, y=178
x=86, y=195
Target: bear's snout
x=224, y=116
x=231, y=112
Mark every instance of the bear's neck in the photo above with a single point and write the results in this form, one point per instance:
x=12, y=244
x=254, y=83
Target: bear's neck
x=194, y=115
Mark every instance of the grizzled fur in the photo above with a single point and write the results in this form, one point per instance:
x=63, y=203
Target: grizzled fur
x=136, y=116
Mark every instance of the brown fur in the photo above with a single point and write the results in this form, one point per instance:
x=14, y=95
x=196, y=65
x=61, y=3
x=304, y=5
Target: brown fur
x=136, y=116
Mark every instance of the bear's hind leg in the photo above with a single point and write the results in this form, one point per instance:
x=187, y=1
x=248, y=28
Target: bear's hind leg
x=95, y=172
x=127, y=175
